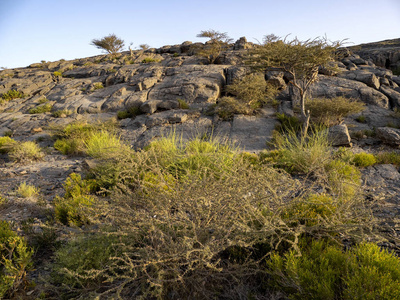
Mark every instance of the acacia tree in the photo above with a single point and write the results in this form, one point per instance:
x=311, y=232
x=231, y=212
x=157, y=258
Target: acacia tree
x=299, y=59
x=111, y=44
x=218, y=41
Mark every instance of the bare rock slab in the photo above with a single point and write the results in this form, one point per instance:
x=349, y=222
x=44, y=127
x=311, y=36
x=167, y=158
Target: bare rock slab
x=251, y=133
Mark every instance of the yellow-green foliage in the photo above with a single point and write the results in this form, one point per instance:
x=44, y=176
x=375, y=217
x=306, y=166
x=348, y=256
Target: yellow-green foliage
x=27, y=190
x=6, y=144
x=81, y=256
x=41, y=109
x=15, y=261
x=325, y=271
x=129, y=113
x=25, y=152
x=218, y=42
x=148, y=60
x=60, y=113
x=227, y=107
x=304, y=154
x=381, y=157
x=72, y=208
x=176, y=208
x=311, y=211
x=252, y=89
x=10, y=95
x=288, y=123
x=57, y=74
x=364, y=159
x=344, y=179
x=183, y=104
x=330, y=112
x=98, y=85
x=102, y=143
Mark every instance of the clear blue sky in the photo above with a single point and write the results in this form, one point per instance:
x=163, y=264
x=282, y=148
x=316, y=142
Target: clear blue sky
x=35, y=30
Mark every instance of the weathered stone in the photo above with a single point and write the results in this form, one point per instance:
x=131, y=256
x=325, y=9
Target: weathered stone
x=168, y=104
x=338, y=135
x=235, y=73
x=150, y=106
x=394, y=97
x=388, y=135
x=368, y=78
x=330, y=87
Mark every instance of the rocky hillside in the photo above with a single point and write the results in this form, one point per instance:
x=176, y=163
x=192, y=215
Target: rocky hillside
x=156, y=82
x=155, y=92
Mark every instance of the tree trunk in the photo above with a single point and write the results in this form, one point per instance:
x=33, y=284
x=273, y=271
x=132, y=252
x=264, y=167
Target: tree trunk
x=305, y=115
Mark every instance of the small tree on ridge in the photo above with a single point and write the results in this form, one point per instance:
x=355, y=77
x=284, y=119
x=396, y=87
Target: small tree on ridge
x=111, y=44
x=300, y=59
x=219, y=41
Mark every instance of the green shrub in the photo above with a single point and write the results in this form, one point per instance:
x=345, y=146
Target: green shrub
x=343, y=178
x=288, y=123
x=70, y=146
x=98, y=85
x=41, y=109
x=148, y=60
x=43, y=101
x=364, y=159
x=252, y=89
x=304, y=154
x=183, y=104
x=25, y=152
x=185, y=213
x=330, y=112
x=10, y=95
x=57, y=74
x=361, y=119
x=324, y=271
x=82, y=255
x=27, y=191
x=129, y=113
x=313, y=210
x=381, y=157
x=6, y=144
x=102, y=143
x=227, y=107
x=110, y=43
x=61, y=113
x=72, y=208
x=15, y=261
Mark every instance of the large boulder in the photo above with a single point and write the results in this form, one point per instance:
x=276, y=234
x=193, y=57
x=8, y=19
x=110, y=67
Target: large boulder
x=388, y=135
x=359, y=75
x=330, y=87
x=394, y=96
x=338, y=135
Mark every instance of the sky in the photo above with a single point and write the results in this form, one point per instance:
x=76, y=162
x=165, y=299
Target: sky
x=36, y=30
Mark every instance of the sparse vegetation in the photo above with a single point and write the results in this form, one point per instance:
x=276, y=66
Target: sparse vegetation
x=129, y=113
x=183, y=104
x=328, y=112
x=25, y=152
x=61, y=113
x=6, y=144
x=57, y=74
x=111, y=44
x=26, y=190
x=41, y=109
x=253, y=90
x=325, y=271
x=364, y=159
x=148, y=60
x=300, y=59
x=227, y=107
x=218, y=42
x=15, y=261
x=10, y=95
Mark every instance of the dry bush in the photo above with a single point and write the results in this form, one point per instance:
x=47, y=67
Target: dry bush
x=330, y=112
x=185, y=237
x=252, y=89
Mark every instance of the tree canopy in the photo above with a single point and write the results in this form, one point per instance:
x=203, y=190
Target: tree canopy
x=300, y=60
x=111, y=43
